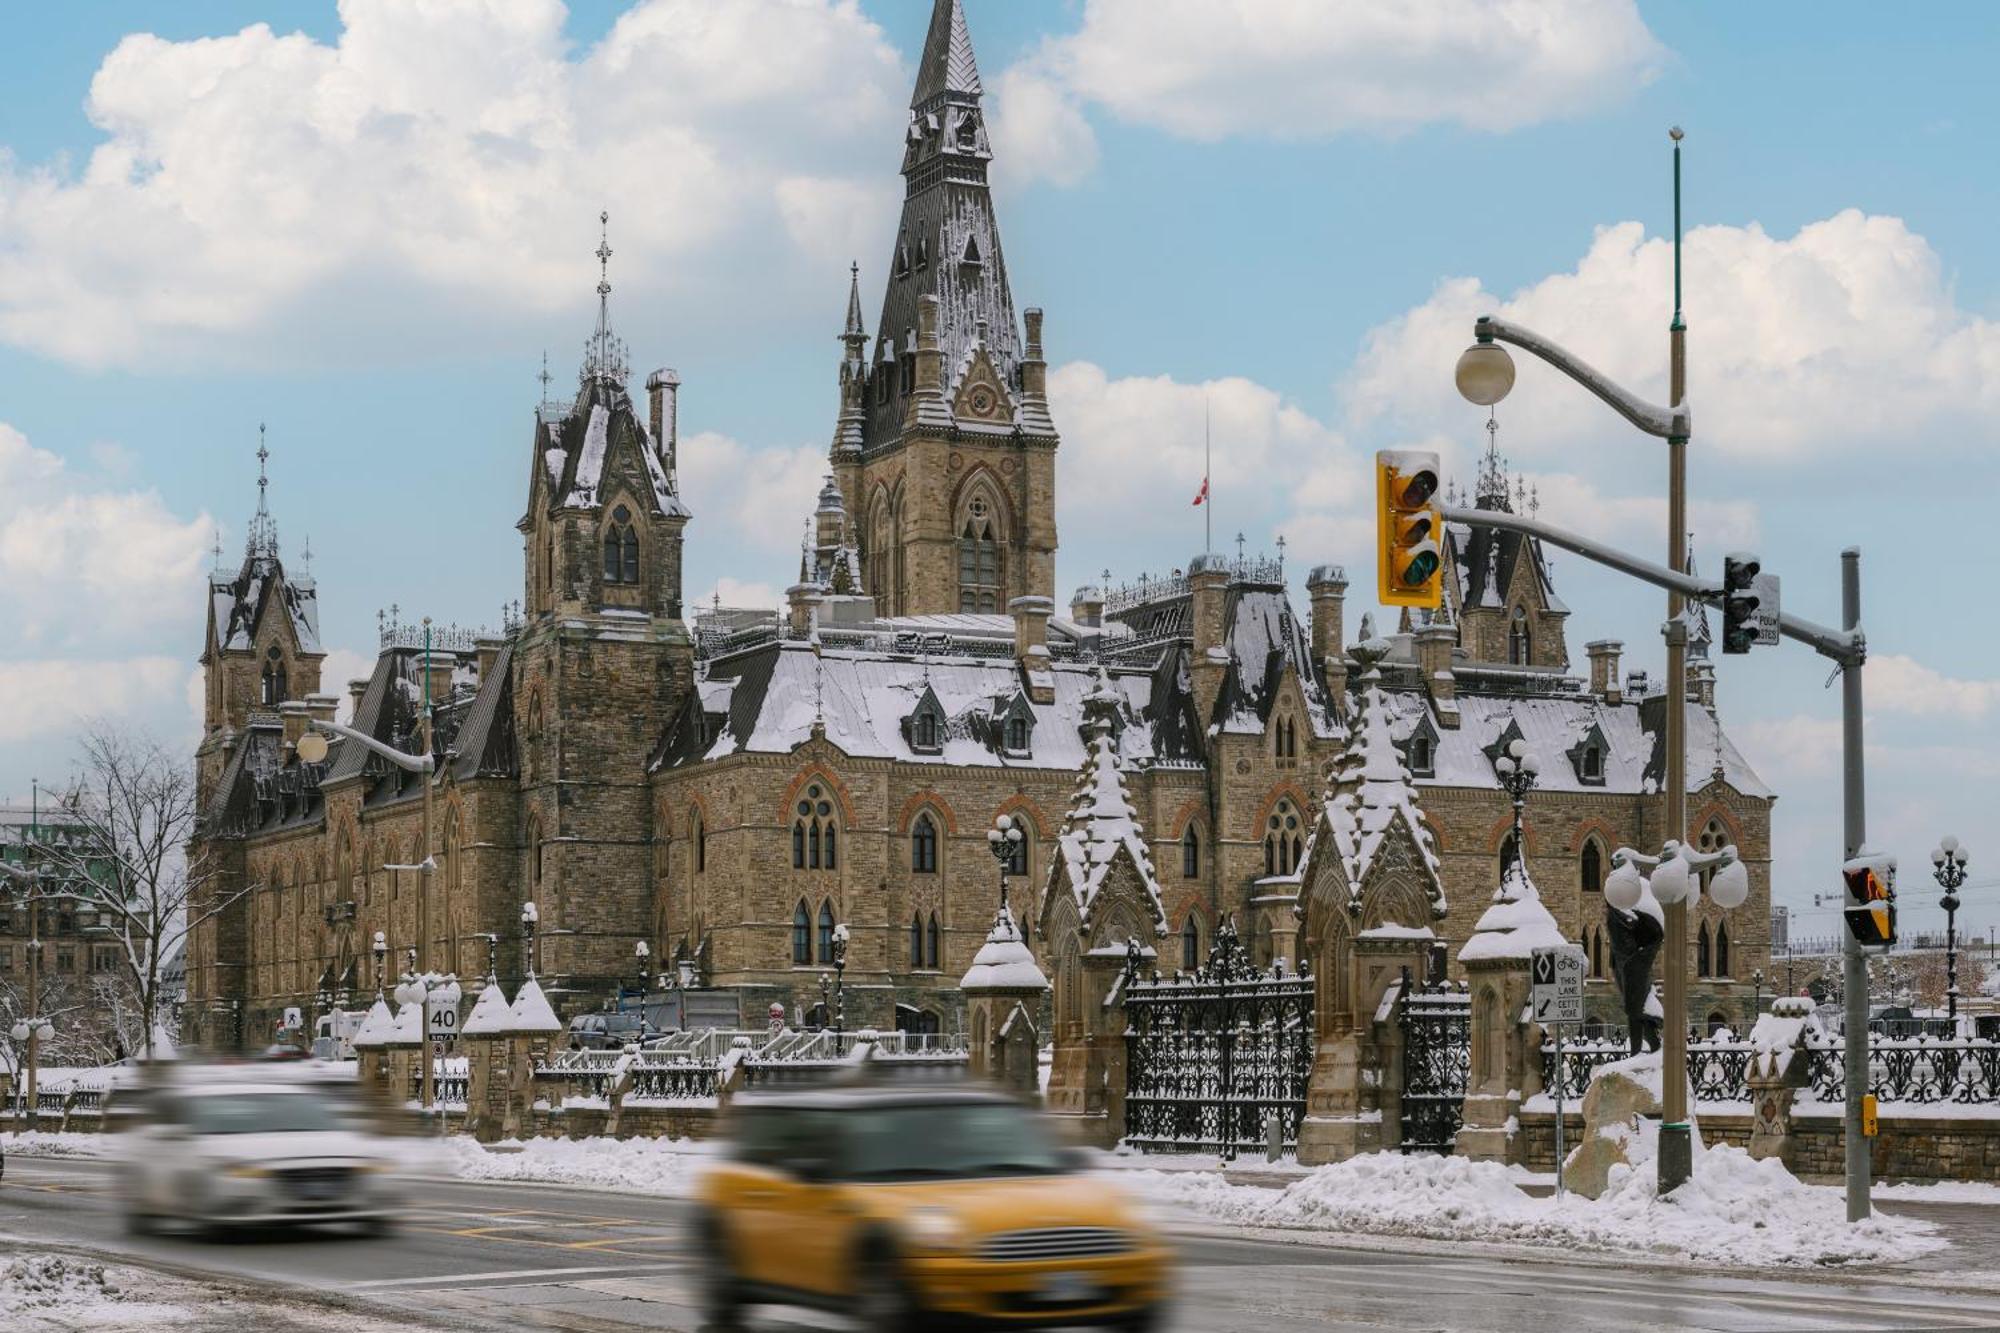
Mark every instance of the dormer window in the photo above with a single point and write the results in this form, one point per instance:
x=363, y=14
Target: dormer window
x=926, y=725
x=1587, y=756
x=1423, y=759
x=621, y=548
x=1593, y=764
x=1017, y=735
x=927, y=732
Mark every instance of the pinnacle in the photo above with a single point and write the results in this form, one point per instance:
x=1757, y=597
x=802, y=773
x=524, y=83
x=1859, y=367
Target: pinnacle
x=948, y=66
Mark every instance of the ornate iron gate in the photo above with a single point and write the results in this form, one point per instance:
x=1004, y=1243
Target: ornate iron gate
x=1209, y=1057
x=1437, y=1059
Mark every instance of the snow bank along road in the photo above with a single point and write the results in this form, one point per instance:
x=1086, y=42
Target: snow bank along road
x=497, y=1255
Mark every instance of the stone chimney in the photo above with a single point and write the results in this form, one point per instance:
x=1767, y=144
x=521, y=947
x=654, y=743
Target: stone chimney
x=355, y=690
x=1208, y=582
x=1701, y=682
x=1604, y=655
x=1327, y=587
x=489, y=656
x=1034, y=369
x=1031, y=645
x=292, y=712
x=663, y=392
x=1434, y=644
x=442, y=665
x=803, y=599
x=1086, y=608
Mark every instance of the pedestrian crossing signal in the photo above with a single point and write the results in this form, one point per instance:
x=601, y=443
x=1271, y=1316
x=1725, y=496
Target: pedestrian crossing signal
x=1409, y=529
x=1871, y=901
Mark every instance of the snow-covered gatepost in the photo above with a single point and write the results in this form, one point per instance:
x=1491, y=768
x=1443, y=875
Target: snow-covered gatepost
x=1003, y=988
x=401, y=1047
x=1506, y=1041
x=532, y=1028
x=1102, y=898
x=1372, y=893
x=1776, y=1072
x=487, y=1045
x=369, y=1040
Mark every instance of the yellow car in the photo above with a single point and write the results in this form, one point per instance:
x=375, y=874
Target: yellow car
x=920, y=1208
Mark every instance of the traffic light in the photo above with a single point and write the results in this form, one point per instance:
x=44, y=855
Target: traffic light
x=1408, y=530
x=1871, y=900
x=1739, y=602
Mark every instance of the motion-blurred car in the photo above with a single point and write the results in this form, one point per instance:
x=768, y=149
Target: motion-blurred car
x=918, y=1207
x=606, y=1032
x=222, y=1153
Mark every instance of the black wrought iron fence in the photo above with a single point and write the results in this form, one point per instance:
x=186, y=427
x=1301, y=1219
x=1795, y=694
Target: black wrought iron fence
x=1210, y=1057
x=1915, y=1071
x=1436, y=1021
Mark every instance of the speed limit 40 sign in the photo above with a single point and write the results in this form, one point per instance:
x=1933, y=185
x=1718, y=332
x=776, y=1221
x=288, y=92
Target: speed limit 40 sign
x=1557, y=977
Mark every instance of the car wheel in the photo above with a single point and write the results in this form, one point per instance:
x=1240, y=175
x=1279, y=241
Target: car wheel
x=373, y=1227
x=1143, y=1321
x=139, y=1222
x=721, y=1302
x=883, y=1301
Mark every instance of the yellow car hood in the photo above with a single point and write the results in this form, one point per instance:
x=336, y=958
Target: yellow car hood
x=1011, y=1203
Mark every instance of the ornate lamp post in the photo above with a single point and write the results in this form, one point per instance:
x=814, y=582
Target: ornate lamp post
x=1004, y=840
x=529, y=916
x=1757, y=995
x=1518, y=772
x=1948, y=862
x=381, y=947
x=642, y=963
x=839, y=1012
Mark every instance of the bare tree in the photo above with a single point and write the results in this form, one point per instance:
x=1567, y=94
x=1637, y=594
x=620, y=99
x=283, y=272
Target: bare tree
x=134, y=806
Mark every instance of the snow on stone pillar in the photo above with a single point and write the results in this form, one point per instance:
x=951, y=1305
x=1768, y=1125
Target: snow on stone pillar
x=1003, y=988
x=1506, y=1042
x=370, y=1057
x=803, y=599
x=402, y=1046
x=1208, y=578
x=292, y=712
x=1777, y=1070
x=1034, y=367
x=1031, y=645
x=487, y=1041
x=1086, y=606
x=532, y=1027
x=1327, y=587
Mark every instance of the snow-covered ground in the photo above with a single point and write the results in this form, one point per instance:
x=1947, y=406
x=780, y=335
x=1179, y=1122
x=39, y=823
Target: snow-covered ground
x=1736, y=1211
x=33, y=1144
x=41, y=1290
x=639, y=1166
x=1940, y=1191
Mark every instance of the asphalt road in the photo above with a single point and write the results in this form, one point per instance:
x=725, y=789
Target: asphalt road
x=498, y=1256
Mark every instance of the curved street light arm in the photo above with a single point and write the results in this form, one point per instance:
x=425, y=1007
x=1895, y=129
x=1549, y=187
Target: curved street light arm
x=1669, y=423
x=414, y=763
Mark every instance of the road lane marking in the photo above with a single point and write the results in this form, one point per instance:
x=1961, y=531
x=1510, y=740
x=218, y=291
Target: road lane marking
x=508, y=1276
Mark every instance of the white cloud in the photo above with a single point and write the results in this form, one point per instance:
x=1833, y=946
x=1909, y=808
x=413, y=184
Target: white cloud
x=739, y=593
x=53, y=695
x=1900, y=684
x=82, y=565
x=1308, y=69
x=456, y=150
x=1631, y=521
x=761, y=497
x=1039, y=130
x=1843, y=334
x=341, y=666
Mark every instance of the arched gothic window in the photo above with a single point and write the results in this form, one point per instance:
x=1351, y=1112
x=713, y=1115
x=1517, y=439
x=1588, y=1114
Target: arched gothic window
x=1701, y=963
x=700, y=839
x=1191, y=853
x=1721, y=949
x=815, y=840
x=1190, y=944
x=826, y=931
x=1284, y=839
x=801, y=935
x=1592, y=867
x=923, y=846
x=931, y=943
x=1713, y=837
x=916, y=940
x=1507, y=851
x=978, y=562
x=1593, y=764
x=1017, y=856
x=275, y=691
x=621, y=548
x=1519, y=644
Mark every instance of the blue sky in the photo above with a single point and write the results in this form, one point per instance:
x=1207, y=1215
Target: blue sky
x=365, y=226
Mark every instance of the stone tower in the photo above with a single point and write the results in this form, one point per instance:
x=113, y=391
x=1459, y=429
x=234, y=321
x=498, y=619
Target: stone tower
x=944, y=448
x=262, y=648
x=603, y=659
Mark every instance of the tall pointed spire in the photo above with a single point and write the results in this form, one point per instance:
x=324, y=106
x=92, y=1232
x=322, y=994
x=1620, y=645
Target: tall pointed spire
x=854, y=333
x=947, y=66
x=604, y=355
x=262, y=541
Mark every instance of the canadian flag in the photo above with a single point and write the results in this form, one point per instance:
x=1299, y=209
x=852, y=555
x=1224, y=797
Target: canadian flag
x=1201, y=496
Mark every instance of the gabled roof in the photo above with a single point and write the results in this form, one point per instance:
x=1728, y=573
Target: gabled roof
x=1102, y=827
x=574, y=449
x=238, y=604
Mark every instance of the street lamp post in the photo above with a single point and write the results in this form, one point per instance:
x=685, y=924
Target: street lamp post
x=839, y=1011
x=32, y=1030
x=529, y=916
x=1004, y=840
x=1485, y=375
x=1518, y=770
x=642, y=961
x=381, y=947
x=1948, y=862
x=1757, y=996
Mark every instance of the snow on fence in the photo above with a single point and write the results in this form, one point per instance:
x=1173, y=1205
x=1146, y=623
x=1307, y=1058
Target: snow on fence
x=1912, y=1071
x=691, y=1068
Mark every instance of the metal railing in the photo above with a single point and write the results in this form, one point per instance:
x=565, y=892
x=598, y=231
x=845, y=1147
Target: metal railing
x=1917, y=1071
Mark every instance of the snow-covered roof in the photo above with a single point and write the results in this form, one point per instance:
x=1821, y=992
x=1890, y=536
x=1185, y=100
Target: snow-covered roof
x=574, y=450
x=377, y=1028
x=1516, y=924
x=1372, y=798
x=407, y=1028
x=491, y=1014
x=237, y=601
x=1102, y=822
x=531, y=1011
x=1004, y=962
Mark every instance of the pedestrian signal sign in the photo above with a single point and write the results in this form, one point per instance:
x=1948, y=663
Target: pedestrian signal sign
x=1871, y=900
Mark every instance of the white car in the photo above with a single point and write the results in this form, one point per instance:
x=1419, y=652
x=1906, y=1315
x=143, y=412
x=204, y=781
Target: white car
x=229, y=1154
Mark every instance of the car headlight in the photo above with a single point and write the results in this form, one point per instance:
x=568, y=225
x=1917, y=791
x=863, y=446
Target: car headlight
x=248, y=1171
x=934, y=1228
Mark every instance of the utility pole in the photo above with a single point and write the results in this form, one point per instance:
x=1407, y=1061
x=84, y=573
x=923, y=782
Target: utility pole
x=1854, y=968
x=425, y=864
x=1676, y=1144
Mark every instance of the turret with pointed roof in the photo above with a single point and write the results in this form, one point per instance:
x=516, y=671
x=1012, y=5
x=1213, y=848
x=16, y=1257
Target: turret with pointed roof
x=944, y=447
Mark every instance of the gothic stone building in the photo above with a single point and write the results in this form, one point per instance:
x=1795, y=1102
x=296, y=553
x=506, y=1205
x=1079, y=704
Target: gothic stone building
x=733, y=793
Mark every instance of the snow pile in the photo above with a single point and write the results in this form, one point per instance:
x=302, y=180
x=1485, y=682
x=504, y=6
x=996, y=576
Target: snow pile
x=1004, y=962
x=34, y=1143
x=1516, y=924
x=636, y=1166
x=1735, y=1211
x=490, y=1015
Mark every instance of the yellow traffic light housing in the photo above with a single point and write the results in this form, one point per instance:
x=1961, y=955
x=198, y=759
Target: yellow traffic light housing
x=1409, y=529
x=1871, y=900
